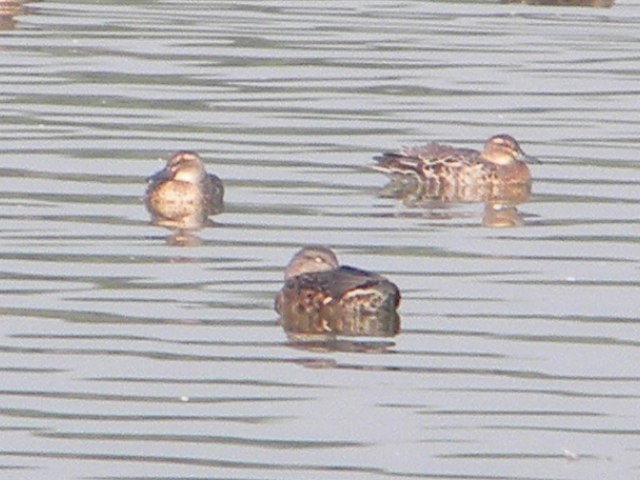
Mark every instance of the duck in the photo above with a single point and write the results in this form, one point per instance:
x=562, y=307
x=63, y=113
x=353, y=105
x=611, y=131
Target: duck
x=183, y=195
x=448, y=173
x=321, y=296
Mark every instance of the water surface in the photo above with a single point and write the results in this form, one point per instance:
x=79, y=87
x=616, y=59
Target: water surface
x=127, y=357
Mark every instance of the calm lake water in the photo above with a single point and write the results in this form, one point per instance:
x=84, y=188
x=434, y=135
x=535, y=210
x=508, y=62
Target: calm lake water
x=127, y=357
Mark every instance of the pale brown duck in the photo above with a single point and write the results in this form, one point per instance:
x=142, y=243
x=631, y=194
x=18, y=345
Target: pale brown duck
x=183, y=195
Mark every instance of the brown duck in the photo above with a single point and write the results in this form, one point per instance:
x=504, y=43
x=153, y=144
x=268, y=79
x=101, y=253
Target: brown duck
x=320, y=296
x=458, y=174
x=182, y=195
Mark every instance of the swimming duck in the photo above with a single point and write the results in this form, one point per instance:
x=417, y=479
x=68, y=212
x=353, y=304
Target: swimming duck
x=182, y=195
x=320, y=296
x=458, y=174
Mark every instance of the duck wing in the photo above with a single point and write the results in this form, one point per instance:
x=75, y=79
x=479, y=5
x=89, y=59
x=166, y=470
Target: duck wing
x=426, y=161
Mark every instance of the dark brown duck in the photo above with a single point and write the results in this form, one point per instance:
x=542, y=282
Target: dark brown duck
x=320, y=296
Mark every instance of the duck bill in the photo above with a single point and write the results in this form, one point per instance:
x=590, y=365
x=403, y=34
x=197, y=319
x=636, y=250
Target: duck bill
x=159, y=176
x=529, y=159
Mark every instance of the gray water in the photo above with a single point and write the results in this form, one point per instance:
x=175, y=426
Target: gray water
x=127, y=357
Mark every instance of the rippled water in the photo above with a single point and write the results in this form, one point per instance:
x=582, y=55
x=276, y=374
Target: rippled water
x=124, y=356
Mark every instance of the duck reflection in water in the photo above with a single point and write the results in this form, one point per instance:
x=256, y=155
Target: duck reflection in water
x=437, y=175
x=321, y=299
x=501, y=215
x=183, y=195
